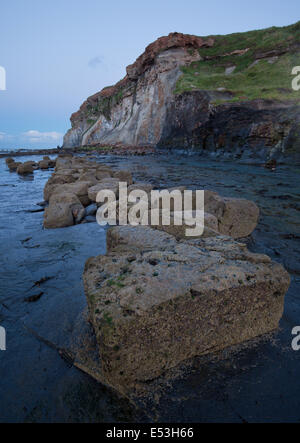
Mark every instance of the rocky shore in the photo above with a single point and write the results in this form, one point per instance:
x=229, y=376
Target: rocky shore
x=24, y=168
x=113, y=149
x=158, y=286
x=155, y=301
x=159, y=298
x=28, y=152
x=70, y=196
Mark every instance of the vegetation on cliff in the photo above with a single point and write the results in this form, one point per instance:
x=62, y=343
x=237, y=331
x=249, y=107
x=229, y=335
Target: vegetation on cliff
x=154, y=105
x=261, y=62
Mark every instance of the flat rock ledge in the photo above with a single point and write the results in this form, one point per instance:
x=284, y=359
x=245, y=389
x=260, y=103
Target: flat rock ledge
x=155, y=301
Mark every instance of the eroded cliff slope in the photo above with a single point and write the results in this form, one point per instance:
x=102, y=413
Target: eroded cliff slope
x=218, y=93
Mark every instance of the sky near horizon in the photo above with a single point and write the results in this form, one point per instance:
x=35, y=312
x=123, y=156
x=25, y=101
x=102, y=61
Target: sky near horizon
x=57, y=53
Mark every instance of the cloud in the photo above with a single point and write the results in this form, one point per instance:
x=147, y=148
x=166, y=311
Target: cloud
x=37, y=136
x=96, y=61
x=2, y=135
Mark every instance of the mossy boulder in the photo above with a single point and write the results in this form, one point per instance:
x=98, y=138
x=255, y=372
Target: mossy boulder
x=155, y=302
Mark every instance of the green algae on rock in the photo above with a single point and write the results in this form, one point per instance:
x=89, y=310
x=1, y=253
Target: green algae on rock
x=176, y=300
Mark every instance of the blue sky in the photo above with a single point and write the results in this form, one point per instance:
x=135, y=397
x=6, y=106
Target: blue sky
x=57, y=53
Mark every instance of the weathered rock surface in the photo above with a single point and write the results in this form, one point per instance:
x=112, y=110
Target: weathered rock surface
x=155, y=302
x=259, y=128
x=9, y=160
x=43, y=164
x=180, y=230
x=59, y=213
x=147, y=187
x=133, y=111
x=236, y=217
x=79, y=188
x=101, y=174
x=13, y=166
x=30, y=166
x=93, y=191
x=79, y=176
x=25, y=168
x=124, y=176
x=239, y=218
x=57, y=179
x=46, y=163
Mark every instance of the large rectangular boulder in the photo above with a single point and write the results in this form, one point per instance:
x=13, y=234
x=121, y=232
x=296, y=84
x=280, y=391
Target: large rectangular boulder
x=155, y=301
x=62, y=210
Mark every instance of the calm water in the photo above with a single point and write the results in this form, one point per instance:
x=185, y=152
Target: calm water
x=259, y=384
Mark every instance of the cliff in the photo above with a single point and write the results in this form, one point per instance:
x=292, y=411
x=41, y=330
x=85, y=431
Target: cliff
x=218, y=93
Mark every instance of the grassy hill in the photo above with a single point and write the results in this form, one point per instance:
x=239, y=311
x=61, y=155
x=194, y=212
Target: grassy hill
x=263, y=62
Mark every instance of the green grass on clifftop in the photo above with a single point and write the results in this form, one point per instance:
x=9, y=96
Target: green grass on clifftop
x=258, y=74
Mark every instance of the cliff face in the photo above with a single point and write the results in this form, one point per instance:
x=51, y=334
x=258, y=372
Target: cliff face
x=219, y=93
x=133, y=111
x=259, y=129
